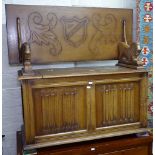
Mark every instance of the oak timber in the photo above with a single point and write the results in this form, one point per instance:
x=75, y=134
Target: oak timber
x=79, y=104
x=62, y=34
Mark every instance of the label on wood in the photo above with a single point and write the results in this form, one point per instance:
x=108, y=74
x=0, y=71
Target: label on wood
x=58, y=34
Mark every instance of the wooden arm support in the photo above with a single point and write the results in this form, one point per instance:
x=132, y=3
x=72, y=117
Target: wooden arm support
x=24, y=51
x=26, y=58
x=128, y=54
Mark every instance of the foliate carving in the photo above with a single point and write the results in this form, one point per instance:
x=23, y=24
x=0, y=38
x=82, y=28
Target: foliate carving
x=105, y=32
x=74, y=30
x=43, y=34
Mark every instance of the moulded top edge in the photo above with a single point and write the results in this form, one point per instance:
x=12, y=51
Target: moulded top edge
x=76, y=71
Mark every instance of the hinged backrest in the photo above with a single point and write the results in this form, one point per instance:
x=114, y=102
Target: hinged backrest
x=57, y=34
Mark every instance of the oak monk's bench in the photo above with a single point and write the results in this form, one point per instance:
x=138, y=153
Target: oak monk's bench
x=67, y=105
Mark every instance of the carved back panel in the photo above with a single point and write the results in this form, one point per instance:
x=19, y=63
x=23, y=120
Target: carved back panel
x=58, y=34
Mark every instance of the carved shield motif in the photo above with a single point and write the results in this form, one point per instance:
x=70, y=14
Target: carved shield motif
x=75, y=30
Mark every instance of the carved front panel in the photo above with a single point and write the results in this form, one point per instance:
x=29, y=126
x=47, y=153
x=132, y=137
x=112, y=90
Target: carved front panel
x=117, y=104
x=79, y=108
x=59, y=110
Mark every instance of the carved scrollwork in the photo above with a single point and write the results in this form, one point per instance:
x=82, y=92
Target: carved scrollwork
x=42, y=34
x=105, y=31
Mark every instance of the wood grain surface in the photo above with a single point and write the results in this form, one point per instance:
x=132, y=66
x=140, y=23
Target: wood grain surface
x=129, y=144
x=81, y=104
x=57, y=34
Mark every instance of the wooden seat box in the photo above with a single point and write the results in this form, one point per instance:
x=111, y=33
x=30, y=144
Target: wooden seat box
x=76, y=104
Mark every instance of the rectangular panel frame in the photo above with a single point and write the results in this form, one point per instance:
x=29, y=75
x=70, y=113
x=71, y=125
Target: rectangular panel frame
x=63, y=34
